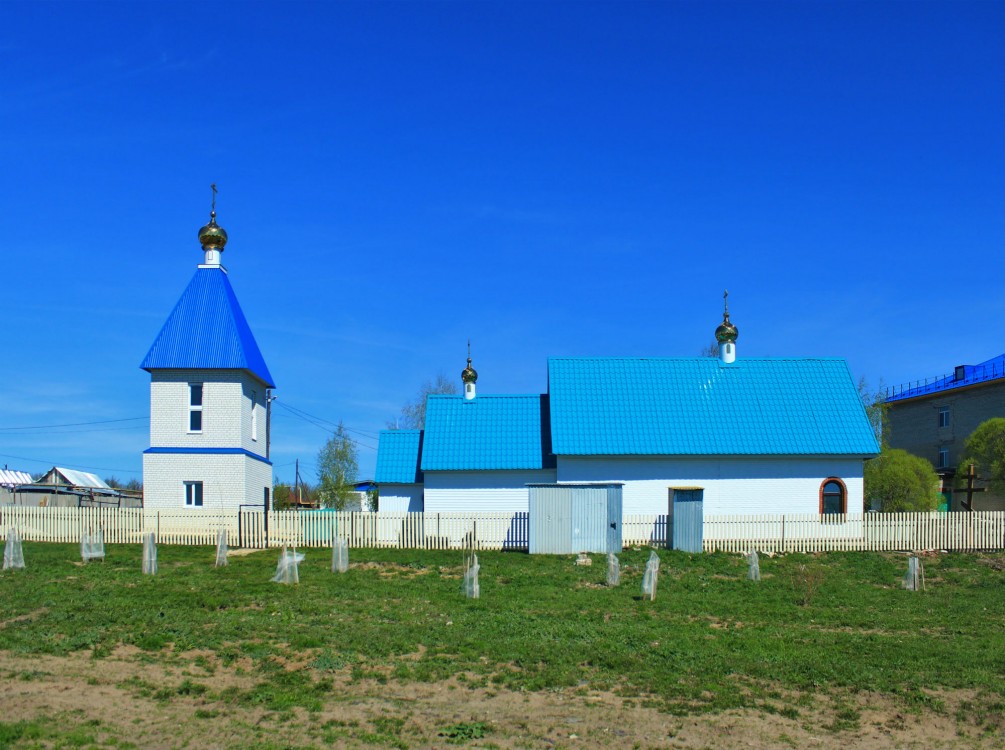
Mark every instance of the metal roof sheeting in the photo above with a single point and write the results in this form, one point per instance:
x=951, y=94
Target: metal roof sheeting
x=11, y=478
x=207, y=330
x=59, y=476
x=992, y=369
x=486, y=432
x=398, y=457
x=700, y=406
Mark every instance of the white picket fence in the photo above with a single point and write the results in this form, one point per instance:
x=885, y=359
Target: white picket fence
x=984, y=530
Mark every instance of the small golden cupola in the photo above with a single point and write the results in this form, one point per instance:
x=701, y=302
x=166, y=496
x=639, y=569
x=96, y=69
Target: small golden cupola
x=213, y=237
x=469, y=376
x=726, y=334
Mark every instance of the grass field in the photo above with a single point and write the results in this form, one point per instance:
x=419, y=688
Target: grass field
x=835, y=625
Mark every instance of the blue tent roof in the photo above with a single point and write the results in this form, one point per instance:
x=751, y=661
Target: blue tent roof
x=398, y=457
x=487, y=432
x=207, y=331
x=699, y=406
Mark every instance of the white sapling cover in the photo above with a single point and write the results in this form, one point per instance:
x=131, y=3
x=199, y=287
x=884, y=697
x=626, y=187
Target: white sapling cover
x=754, y=572
x=221, y=548
x=651, y=574
x=13, y=554
x=340, y=555
x=92, y=546
x=288, y=571
x=613, y=570
x=149, y=555
x=471, y=588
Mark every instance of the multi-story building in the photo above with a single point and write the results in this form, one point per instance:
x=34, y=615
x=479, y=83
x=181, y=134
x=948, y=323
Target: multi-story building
x=933, y=419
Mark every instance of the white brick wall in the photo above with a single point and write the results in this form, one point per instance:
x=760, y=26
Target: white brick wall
x=226, y=410
x=732, y=485
x=228, y=480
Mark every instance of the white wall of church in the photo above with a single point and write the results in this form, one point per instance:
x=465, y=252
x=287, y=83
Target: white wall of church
x=227, y=420
x=733, y=485
x=481, y=491
x=400, y=498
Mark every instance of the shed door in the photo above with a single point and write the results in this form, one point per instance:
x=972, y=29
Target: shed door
x=685, y=519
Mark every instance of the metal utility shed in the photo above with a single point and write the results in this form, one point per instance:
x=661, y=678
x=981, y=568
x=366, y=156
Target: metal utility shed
x=572, y=518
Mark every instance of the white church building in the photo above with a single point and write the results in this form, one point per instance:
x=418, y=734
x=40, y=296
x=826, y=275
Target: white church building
x=757, y=435
x=209, y=395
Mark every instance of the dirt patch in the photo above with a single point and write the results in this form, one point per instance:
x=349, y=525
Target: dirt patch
x=188, y=703
x=29, y=617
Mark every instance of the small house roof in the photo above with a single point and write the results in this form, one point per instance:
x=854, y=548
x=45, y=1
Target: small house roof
x=71, y=477
x=207, y=330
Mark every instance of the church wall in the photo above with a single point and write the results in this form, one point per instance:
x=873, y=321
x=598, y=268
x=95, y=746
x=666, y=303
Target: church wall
x=481, y=491
x=732, y=485
x=400, y=498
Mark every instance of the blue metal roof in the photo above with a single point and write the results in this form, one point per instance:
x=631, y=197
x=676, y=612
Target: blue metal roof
x=963, y=375
x=487, y=432
x=207, y=331
x=699, y=406
x=398, y=457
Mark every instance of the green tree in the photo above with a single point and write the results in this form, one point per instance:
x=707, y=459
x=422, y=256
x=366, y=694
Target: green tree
x=985, y=449
x=282, y=496
x=337, y=469
x=901, y=482
x=413, y=414
x=876, y=407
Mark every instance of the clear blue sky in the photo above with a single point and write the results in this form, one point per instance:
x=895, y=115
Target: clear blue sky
x=546, y=179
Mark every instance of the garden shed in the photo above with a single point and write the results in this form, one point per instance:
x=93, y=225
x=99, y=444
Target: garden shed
x=572, y=518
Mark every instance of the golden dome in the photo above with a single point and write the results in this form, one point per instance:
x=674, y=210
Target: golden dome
x=213, y=236
x=726, y=332
x=469, y=374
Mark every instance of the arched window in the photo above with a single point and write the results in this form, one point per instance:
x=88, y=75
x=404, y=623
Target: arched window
x=833, y=497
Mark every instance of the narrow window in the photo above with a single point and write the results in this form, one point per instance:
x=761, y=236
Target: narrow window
x=195, y=407
x=193, y=494
x=833, y=497
x=943, y=416
x=254, y=415
x=943, y=458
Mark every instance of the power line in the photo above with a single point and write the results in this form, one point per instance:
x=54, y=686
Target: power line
x=71, y=424
x=53, y=463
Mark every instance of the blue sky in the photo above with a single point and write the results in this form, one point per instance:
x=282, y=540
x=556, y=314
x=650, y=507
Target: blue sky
x=544, y=178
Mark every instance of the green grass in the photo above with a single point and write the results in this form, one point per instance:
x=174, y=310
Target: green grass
x=712, y=640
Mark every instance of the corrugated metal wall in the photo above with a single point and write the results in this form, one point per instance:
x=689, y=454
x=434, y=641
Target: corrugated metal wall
x=686, y=519
x=567, y=519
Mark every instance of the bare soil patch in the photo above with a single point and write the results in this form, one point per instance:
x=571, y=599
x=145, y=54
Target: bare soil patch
x=128, y=698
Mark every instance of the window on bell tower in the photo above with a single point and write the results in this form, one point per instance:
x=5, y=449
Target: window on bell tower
x=195, y=407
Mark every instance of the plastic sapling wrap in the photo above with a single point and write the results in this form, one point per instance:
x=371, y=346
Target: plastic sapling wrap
x=649, y=579
x=92, y=546
x=471, y=589
x=221, y=548
x=288, y=571
x=149, y=555
x=613, y=570
x=914, y=579
x=13, y=554
x=340, y=555
x=754, y=572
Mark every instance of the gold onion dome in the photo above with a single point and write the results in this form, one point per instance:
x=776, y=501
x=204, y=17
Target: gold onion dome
x=469, y=374
x=726, y=332
x=213, y=236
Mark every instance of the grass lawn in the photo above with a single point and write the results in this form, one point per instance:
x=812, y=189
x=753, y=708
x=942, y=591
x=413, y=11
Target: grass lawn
x=837, y=623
